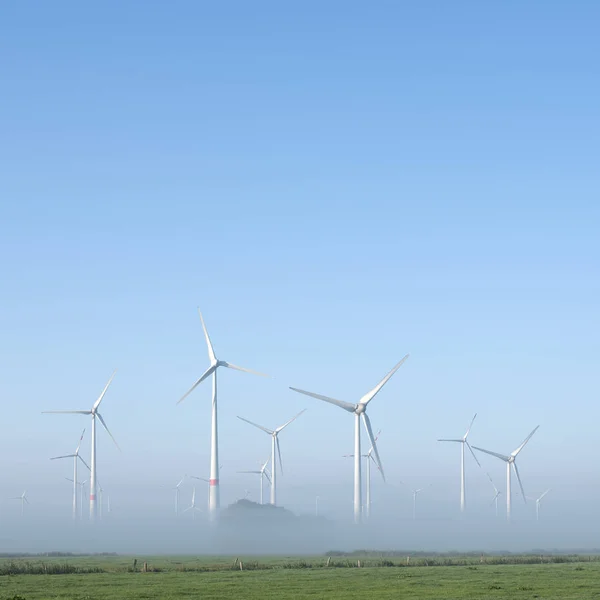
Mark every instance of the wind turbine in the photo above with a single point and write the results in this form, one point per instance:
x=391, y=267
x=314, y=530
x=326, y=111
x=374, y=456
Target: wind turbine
x=264, y=473
x=95, y=414
x=463, y=442
x=193, y=506
x=274, y=442
x=82, y=485
x=213, y=494
x=23, y=499
x=358, y=410
x=497, y=493
x=415, y=493
x=176, y=488
x=74, y=457
x=511, y=460
x=369, y=457
x=538, y=502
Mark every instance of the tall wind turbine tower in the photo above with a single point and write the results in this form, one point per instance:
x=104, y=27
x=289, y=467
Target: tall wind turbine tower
x=95, y=414
x=23, y=499
x=463, y=442
x=274, y=442
x=511, y=460
x=538, y=502
x=214, y=501
x=75, y=457
x=359, y=410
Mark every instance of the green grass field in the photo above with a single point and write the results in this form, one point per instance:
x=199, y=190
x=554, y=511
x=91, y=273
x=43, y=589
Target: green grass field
x=281, y=578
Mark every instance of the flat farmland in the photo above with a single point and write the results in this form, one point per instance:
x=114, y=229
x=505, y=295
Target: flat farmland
x=284, y=577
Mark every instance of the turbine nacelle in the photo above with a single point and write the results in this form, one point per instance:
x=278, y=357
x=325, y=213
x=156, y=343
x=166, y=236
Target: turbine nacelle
x=360, y=409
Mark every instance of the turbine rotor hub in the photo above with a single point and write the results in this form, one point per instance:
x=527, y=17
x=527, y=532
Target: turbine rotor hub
x=360, y=409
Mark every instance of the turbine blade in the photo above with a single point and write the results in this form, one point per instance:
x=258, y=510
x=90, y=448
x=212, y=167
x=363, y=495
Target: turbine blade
x=254, y=472
x=182, y=480
x=515, y=452
x=469, y=429
x=211, y=352
x=188, y=508
x=520, y=483
x=199, y=478
x=206, y=373
x=266, y=474
x=101, y=396
x=256, y=425
x=544, y=494
x=448, y=440
x=345, y=405
x=83, y=461
x=367, y=423
x=65, y=456
x=279, y=453
x=80, y=440
x=493, y=485
x=224, y=363
x=66, y=412
x=370, y=395
x=500, y=456
x=473, y=453
x=107, y=430
x=290, y=421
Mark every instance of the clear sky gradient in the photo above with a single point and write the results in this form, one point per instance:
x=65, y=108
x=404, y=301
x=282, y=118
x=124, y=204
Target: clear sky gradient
x=335, y=184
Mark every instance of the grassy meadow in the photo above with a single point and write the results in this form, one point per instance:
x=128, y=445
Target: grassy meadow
x=186, y=577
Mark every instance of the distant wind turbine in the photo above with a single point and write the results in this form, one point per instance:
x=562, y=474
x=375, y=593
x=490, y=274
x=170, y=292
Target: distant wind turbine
x=176, y=488
x=510, y=460
x=263, y=473
x=359, y=410
x=463, y=442
x=82, y=493
x=538, y=502
x=497, y=493
x=213, y=494
x=369, y=457
x=415, y=493
x=74, y=457
x=23, y=499
x=274, y=442
x=95, y=414
x=193, y=506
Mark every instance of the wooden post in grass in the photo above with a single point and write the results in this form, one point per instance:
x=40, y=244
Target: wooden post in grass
x=241, y=566
x=145, y=568
x=328, y=560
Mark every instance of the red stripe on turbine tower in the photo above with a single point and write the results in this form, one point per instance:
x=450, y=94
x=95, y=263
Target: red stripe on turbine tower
x=213, y=482
x=92, y=496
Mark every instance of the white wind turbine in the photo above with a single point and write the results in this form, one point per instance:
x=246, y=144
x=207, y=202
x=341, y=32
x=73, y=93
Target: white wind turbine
x=463, y=442
x=511, y=460
x=81, y=494
x=193, y=506
x=538, y=502
x=415, y=493
x=74, y=457
x=95, y=414
x=213, y=494
x=369, y=457
x=23, y=499
x=274, y=442
x=264, y=473
x=176, y=488
x=358, y=410
x=497, y=493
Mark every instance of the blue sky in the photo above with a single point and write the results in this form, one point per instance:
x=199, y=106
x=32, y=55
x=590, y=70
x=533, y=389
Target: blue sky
x=335, y=185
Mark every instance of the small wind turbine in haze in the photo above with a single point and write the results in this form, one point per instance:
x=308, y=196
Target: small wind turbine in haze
x=176, y=488
x=359, y=410
x=274, y=442
x=23, y=499
x=369, y=457
x=463, y=442
x=263, y=473
x=538, y=502
x=81, y=494
x=95, y=414
x=75, y=458
x=213, y=494
x=497, y=493
x=510, y=460
x=193, y=506
x=415, y=493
